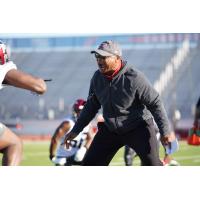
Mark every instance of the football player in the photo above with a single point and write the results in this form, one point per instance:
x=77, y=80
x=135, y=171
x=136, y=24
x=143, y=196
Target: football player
x=58, y=153
x=10, y=143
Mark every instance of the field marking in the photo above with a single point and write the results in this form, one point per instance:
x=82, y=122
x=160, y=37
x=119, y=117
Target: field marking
x=43, y=153
x=187, y=157
x=135, y=163
x=195, y=159
x=38, y=154
x=35, y=142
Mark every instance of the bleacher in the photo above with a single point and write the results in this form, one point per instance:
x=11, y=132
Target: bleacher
x=72, y=68
x=186, y=86
x=71, y=72
x=149, y=61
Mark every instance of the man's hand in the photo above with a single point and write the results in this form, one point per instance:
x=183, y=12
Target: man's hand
x=51, y=157
x=68, y=138
x=166, y=139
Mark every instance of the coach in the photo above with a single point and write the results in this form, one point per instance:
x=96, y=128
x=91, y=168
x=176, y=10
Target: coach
x=129, y=104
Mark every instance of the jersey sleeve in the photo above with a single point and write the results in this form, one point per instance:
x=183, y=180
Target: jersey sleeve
x=4, y=69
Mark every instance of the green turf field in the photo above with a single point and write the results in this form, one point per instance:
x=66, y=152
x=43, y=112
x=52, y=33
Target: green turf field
x=36, y=154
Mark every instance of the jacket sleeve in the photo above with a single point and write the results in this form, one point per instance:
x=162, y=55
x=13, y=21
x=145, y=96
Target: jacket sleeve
x=89, y=111
x=151, y=99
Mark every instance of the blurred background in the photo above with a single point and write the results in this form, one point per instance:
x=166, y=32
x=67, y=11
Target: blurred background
x=90, y=16
x=169, y=60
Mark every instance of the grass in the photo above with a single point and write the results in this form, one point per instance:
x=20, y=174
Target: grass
x=36, y=154
x=186, y=156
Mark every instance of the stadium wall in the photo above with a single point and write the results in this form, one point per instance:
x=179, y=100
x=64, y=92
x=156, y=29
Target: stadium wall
x=25, y=42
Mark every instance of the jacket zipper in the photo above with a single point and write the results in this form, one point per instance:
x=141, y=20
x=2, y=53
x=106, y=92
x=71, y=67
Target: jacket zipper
x=116, y=123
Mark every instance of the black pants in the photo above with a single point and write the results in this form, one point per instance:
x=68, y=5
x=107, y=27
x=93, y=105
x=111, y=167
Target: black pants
x=106, y=144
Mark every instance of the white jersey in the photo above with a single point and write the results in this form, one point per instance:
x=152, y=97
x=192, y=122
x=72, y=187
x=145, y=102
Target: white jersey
x=4, y=70
x=76, y=144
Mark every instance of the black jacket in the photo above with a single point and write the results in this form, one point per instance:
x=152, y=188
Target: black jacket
x=126, y=100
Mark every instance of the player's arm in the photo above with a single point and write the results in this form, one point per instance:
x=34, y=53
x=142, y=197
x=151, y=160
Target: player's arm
x=26, y=81
x=59, y=133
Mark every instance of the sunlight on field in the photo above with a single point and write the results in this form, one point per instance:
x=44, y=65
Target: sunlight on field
x=186, y=156
x=36, y=154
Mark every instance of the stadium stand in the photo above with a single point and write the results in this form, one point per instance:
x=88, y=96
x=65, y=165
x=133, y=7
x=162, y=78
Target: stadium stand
x=185, y=86
x=70, y=65
x=71, y=73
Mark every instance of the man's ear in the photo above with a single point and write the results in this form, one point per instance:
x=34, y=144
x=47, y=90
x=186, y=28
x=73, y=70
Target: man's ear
x=118, y=59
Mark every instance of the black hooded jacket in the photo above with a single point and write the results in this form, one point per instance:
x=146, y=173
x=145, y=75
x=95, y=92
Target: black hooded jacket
x=126, y=100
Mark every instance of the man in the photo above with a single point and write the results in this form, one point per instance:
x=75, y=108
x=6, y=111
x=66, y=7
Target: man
x=58, y=154
x=194, y=137
x=11, y=144
x=128, y=102
x=197, y=114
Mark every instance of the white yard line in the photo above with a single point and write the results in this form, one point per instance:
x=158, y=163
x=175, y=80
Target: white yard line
x=187, y=157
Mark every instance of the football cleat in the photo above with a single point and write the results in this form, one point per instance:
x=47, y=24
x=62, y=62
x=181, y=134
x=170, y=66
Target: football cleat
x=171, y=163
